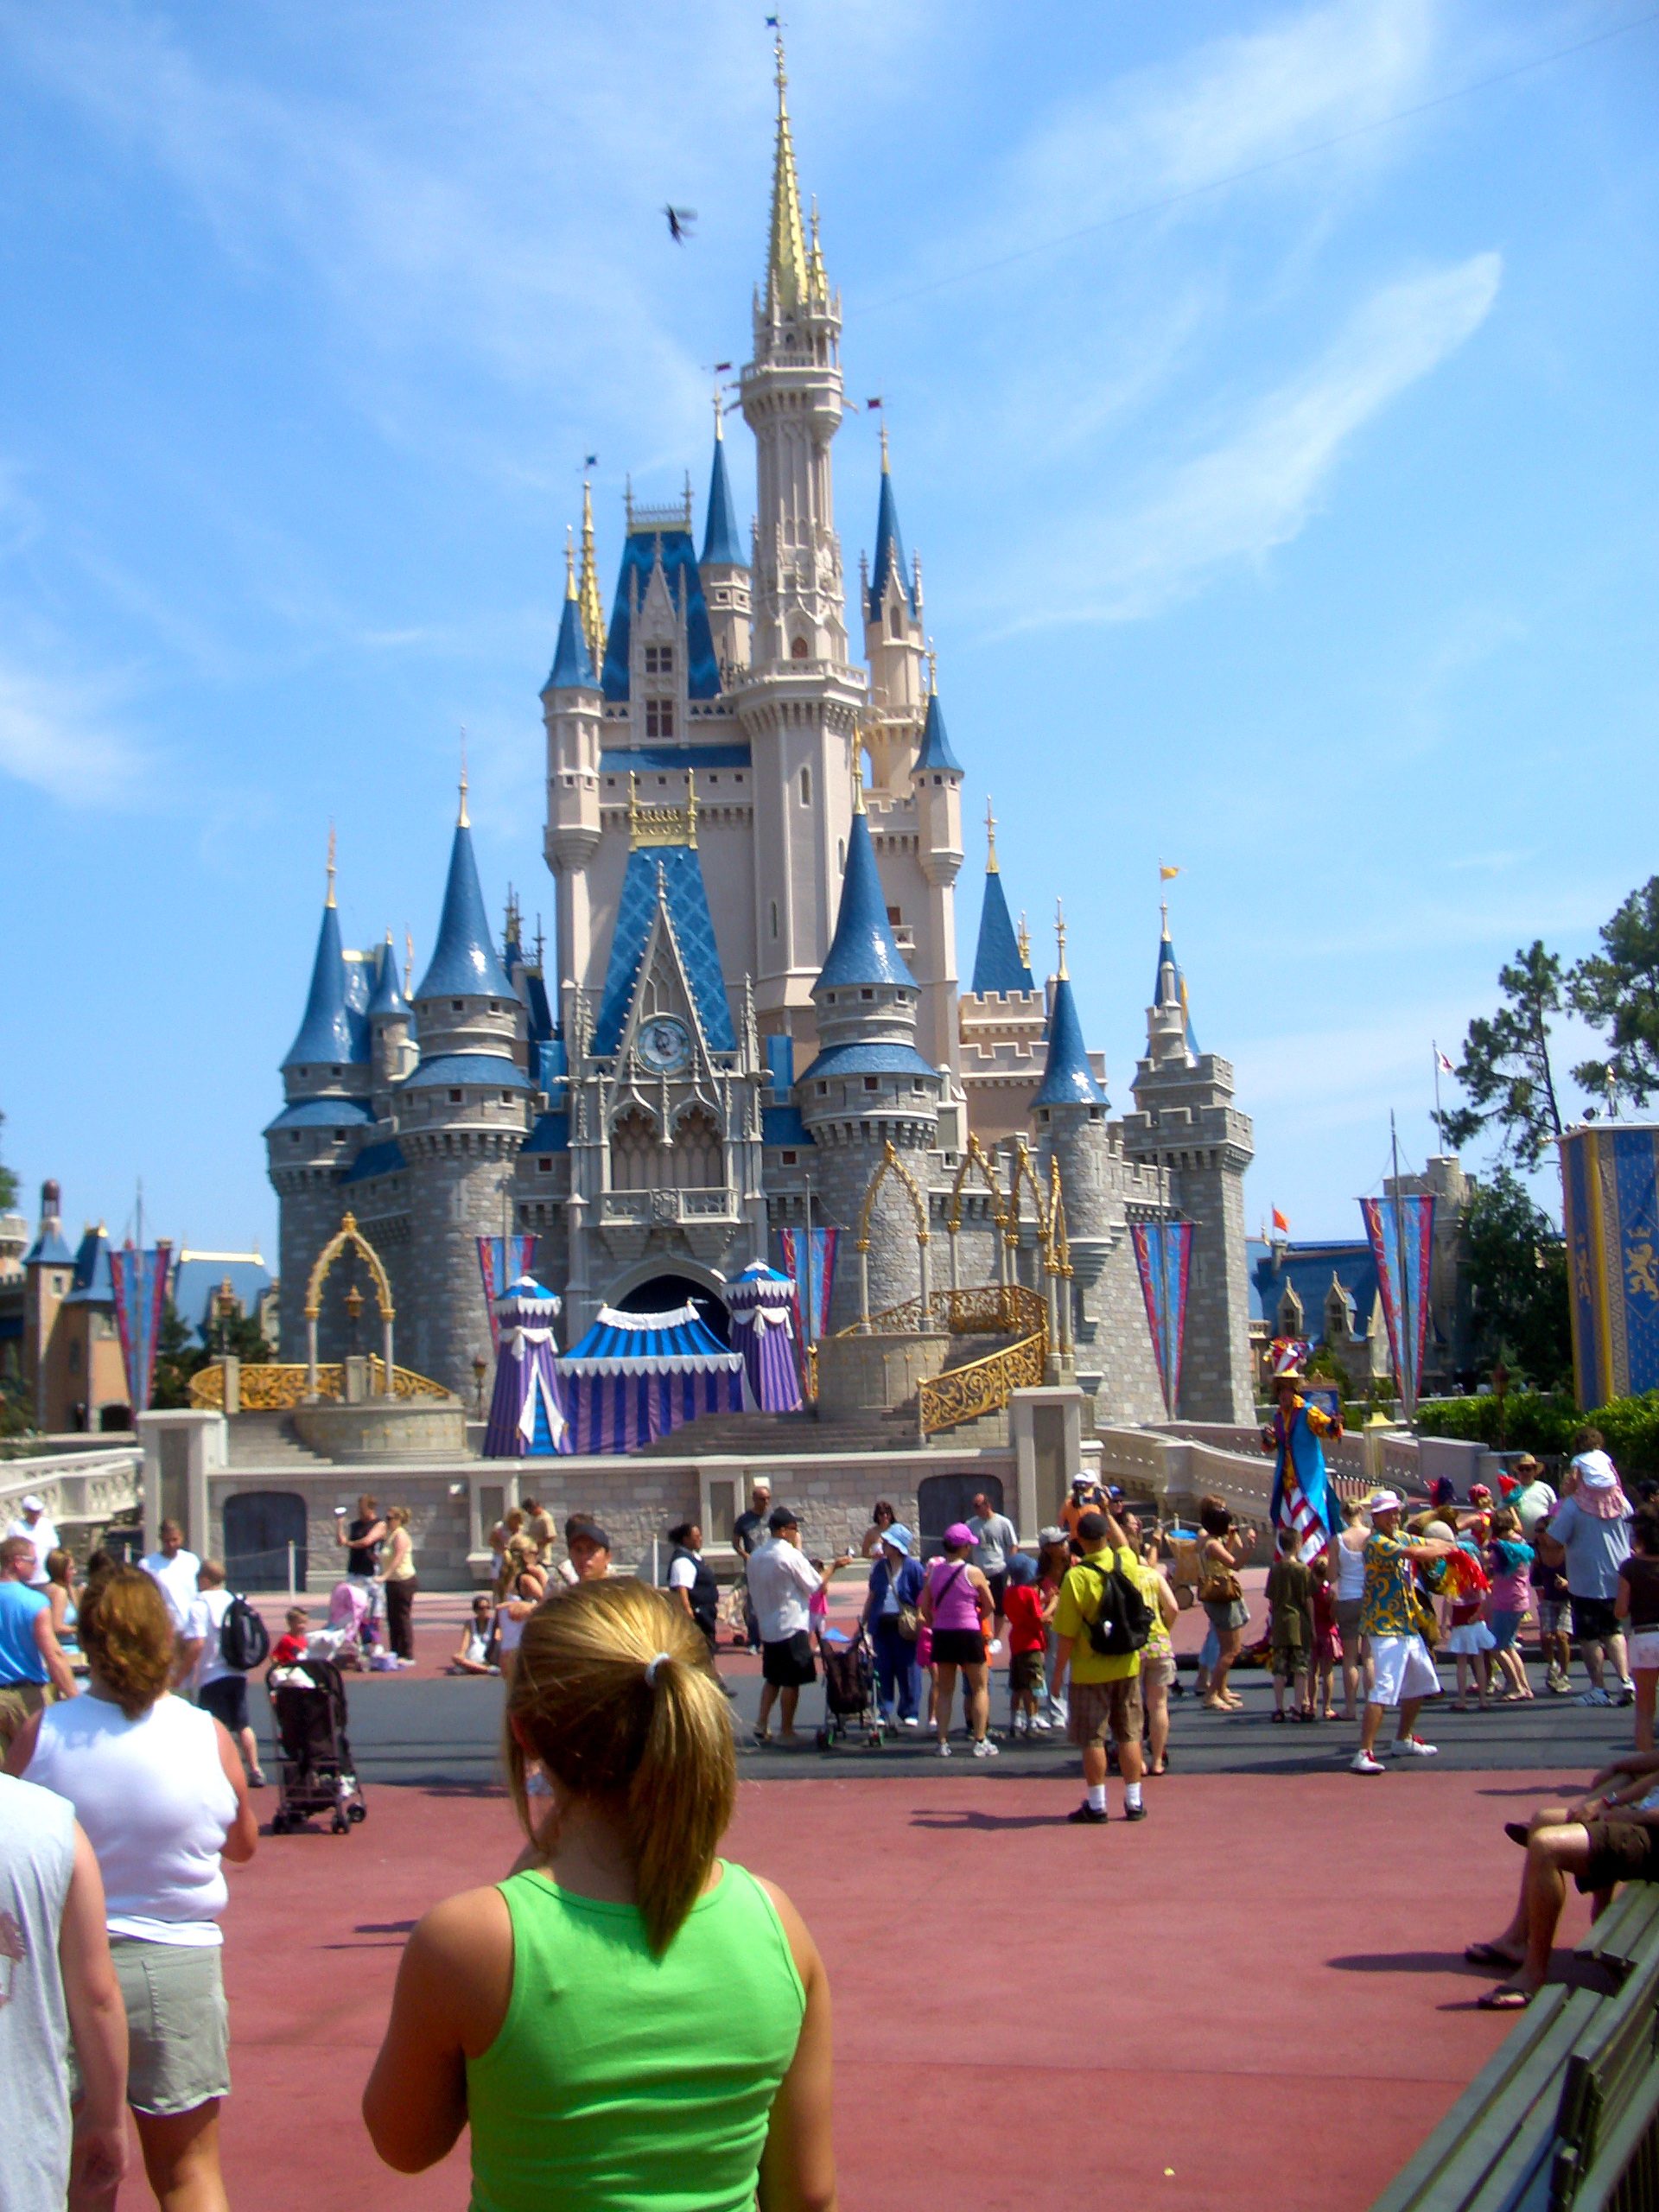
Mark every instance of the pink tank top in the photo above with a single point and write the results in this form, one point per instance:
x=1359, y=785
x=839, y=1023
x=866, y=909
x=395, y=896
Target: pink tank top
x=953, y=1595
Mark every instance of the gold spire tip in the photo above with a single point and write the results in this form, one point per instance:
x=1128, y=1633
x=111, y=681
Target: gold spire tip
x=329, y=900
x=1060, y=936
x=462, y=820
x=570, y=562
x=991, y=868
x=720, y=421
x=858, y=787
x=1023, y=938
x=886, y=469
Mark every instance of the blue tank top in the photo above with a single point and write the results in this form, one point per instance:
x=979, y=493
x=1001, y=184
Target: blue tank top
x=19, y=1656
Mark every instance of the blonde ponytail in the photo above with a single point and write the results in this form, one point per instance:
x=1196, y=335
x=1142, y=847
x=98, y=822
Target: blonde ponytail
x=615, y=1693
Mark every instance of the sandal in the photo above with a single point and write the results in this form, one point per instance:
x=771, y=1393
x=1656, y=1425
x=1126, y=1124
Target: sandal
x=1277, y=1717
x=1492, y=1954
x=1504, y=1999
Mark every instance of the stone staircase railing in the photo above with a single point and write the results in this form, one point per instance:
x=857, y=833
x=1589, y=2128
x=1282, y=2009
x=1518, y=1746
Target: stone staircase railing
x=82, y=1490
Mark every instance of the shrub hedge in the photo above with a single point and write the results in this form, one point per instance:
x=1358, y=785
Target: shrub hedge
x=1540, y=1421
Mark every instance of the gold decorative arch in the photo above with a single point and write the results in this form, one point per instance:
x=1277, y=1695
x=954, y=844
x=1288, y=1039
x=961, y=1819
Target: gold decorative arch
x=348, y=1233
x=1026, y=1173
x=890, y=1164
x=975, y=1161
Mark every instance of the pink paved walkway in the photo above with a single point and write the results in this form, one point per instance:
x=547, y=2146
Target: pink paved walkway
x=1254, y=1999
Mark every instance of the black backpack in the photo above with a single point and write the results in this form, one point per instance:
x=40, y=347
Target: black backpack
x=1124, y=1621
x=243, y=1639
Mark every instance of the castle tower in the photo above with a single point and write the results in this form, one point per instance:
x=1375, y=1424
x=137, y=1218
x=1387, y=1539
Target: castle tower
x=48, y=1275
x=1188, y=1125
x=937, y=781
x=869, y=1085
x=725, y=567
x=463, y=1115
x=389, y=1056
x=801, y=704
x=892, y=644
x=1002, y=1019
x=571, y=709
x=327, y=1082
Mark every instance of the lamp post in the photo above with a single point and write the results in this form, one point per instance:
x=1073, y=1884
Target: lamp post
x=480, y=1368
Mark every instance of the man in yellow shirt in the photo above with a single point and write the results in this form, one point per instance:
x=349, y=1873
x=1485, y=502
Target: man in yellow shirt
x=1105, y=1697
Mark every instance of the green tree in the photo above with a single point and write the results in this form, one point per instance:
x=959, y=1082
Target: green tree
x=178, y=1357
x=1506, y=1073
x=8, y=1180
x=1617, y=991
x=1518, y=1264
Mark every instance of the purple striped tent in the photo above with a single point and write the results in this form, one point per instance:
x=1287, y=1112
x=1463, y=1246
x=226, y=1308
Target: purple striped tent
x=762, y=1304
x=527, y=1419
x=637, y=1375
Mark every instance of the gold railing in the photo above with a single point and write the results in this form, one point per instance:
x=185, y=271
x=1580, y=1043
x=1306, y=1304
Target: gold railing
x=989, y=1309
x=276, y=1388
x=984, y=1386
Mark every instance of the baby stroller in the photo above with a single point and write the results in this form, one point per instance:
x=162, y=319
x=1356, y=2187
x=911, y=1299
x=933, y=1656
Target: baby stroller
x=307, y=1709
x=848, y=1692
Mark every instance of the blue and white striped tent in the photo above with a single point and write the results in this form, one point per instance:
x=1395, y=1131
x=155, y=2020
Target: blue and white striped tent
x=637, y=1375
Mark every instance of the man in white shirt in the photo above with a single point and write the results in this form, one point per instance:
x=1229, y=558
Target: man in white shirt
x=175, y=1570
x=219, y=1687
x=781, y=1579
x=33, y=1525
x=995, y=1541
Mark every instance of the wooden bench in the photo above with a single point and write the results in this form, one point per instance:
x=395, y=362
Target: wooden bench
x=1567, y=2105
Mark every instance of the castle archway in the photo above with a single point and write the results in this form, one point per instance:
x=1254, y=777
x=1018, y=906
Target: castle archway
x=660, y=1290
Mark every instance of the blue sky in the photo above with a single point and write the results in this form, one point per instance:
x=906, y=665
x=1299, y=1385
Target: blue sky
x=1277, y=434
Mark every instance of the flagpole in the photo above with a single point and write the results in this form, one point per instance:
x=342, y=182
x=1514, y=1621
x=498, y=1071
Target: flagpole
x=1408, y=1341
x=811, y=1337
x=1435, y=1051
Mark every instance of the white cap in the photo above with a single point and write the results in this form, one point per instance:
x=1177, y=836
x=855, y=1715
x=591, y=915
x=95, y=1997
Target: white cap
x=1384, y=1501
x=33, y=1504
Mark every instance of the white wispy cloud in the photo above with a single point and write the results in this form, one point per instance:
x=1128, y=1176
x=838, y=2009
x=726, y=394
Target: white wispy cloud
x=66, y=739
x=1256, y=487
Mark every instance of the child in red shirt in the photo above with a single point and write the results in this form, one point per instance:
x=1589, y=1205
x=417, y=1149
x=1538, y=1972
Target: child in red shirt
x=292, y=1646
x=1027, y=1614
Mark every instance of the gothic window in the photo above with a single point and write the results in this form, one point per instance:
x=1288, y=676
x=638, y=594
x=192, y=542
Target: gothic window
x=895, y=620
x=659, y=660
x=659, y=718
x=699, y=1157
x=841, y=854
x=774, y=917
x=806, y=787
x=798, y=651
x=633, y=1152
x=894, y=917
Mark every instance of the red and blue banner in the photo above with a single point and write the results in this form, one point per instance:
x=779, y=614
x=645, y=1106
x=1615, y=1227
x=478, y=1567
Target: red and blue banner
x=501, y=1262
x=1400, y=1231
x=139, y=1280
x=1163, y=1254
x=810, y=1266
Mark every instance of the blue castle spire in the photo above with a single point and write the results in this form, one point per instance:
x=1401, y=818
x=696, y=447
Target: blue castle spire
x=864, y=949
x=329, y=1030
x=1068, y=1079
x=1169, y=984
x=722, y=546
x=999, y=963
x=465, y=963
x=573, y=665
x=387, y=1000
x=889, y=545
x=936, y=751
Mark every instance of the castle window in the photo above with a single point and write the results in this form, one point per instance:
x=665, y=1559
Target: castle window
x=545, y=1168
x=895, y=620
x=870, y=1083
x=789, y=1159
x=454, y=1098
x=659, y=660
x=866, y=993
x=506, y=1098
x=339, y=1136
x=798, y=651
x=806, y=787
x=333, y=1070
x=841, y=854
x=895, y=916
x=699, y=1161
x=774, y=919
x=659, y=718
x=456, y=1006
x=823, y=1090
x=633, y=1152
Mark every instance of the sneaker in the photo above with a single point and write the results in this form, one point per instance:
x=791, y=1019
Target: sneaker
x=1556, y=1684
x=1363, y=1762
x=256, y=1779
x=984, y=1748
x=1134, y=1812
x=909, y=1720
x=1592, y=1697
x=1413, y=1747
x=994, y=1647
x=1627, y=1693
x=1041, y=1726
x=1086, y=1816
x=944, y=1750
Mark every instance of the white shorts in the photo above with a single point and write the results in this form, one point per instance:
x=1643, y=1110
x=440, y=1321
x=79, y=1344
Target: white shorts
x=1644, y=1649
x=1404, y=1669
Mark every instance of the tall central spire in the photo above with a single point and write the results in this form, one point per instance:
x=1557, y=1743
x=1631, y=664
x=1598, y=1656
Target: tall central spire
x=786, y=265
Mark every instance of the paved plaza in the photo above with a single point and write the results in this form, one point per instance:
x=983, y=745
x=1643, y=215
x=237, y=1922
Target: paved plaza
x=1256, y=1997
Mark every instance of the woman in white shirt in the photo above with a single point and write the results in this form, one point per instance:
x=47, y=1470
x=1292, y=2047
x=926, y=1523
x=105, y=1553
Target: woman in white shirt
x=157, y=1785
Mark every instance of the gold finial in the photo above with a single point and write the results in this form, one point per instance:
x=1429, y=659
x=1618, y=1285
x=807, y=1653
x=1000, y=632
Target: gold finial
x=1022, y=937
x=462, y=821
x=409, y=961
x=592, y=610
x=570, y=562
x=1059, y=935
x=329, y=900
x=815, y=260
x=786, y=270
x=858, y=786
x=991, y=868
x=720, y=418
x=932, y=671
x=886, y=466
x=1163, y=910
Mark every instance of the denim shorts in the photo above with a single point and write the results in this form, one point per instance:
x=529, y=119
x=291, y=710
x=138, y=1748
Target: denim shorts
x=1506, y=1627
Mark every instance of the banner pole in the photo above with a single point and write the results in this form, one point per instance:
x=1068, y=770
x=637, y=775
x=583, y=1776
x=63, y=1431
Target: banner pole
x=1408, y=1341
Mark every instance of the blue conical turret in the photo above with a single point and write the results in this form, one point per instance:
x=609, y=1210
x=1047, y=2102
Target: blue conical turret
x=386, y=1002
x=1000, y=963
x=864, y=949
x=465, y=963
x=573, y=664
x=330, y=1032
x=1169, y=985
x=936, y=751
x=1068, y=1079
x=722, y=548
x=889, y=547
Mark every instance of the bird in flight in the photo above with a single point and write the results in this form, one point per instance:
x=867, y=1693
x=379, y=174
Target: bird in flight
x=680, y=220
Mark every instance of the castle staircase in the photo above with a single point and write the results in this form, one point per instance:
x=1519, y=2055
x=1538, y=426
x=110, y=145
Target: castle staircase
x=765, y=1435
x=1002, y=1328
x=267, y=1441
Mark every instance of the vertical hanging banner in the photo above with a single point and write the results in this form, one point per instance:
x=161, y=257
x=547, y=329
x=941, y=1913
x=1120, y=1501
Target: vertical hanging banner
x=811, y=1268
x=139, y=1280
x=501, y=1261
x=1163, y=1253
x=1402, y=1278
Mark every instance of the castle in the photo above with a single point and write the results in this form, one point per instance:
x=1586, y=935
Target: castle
x=755, y=842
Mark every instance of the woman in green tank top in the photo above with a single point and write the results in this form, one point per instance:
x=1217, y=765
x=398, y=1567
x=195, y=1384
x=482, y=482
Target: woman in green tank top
x=627, y=2023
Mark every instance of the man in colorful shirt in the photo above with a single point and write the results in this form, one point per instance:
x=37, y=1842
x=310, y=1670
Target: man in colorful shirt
x=1406, y=1673
x=1105, y=1696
